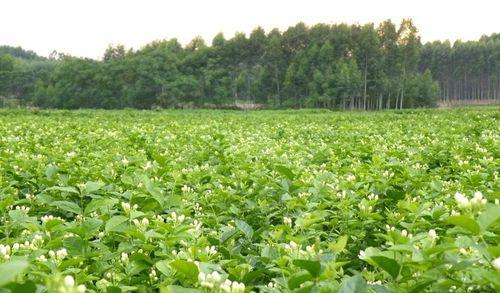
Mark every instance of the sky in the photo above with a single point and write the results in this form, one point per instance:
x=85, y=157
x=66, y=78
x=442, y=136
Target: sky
x=85, y=28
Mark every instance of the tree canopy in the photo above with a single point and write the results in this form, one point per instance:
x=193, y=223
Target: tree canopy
x=337, y=66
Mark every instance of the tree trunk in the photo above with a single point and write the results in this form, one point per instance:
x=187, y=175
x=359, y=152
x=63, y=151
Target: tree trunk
x=366, y=72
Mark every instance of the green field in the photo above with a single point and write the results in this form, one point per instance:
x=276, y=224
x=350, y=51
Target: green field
x=268, y=201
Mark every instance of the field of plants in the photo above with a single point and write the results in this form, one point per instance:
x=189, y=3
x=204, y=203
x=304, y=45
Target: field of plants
x=269, y=201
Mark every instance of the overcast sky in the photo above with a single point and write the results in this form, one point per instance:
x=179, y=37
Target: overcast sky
x=87, y=27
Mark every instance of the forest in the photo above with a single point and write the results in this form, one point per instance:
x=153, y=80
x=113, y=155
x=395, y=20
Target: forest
x=337, y=66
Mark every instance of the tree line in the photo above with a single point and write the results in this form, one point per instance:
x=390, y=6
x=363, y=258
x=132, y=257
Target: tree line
x=337, y=66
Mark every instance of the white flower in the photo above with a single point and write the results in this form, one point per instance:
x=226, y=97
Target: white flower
x=462, y=200
x=287, y=221
x=404, y=233
x=496, y=263
x=215, y=276
x=47, y=218
x=186, y=189
x=237, y=287
x=209, y=280
x=148, y=165
x=432, y=234
x=126, y=207
x=478, y=200
x=69, y=281
x=271, y=285
x=152, y=275
x=361, y=254
x=61, y=253
x=226, y=286
x=210, y=250
x=124, y=257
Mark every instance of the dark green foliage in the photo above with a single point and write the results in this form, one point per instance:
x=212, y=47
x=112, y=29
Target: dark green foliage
x=336, y=66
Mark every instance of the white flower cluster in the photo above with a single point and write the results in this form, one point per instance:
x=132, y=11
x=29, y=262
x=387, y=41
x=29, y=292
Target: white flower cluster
x=197, y=210
x=210, y=250
x=365, y=207
x=187, y=189
x=388, y=174
x=405, y=233
x=23, y=209
x=195, y=227
x=214, y=280
x=35, y=244
x=464, y=202
x=47, y=218
x=294, y=250
x=373, y=197
x=304, y=194
x=56, y=256
x=178, y=219
x=144, y=223
x=127, y=208
x=5, y=251
x=153, y=276
x=30, y=196
x=68, y=286
x=287, y=221
x=209, y=280
x=341, y=195
x=232, y=287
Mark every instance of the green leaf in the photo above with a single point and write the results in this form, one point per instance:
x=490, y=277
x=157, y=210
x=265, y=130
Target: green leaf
x=464, y=222
x=163, y=267
x=354, y=284
x=245, y=228
x=92, y=186
x=75, y=245
x=421, y=286
x=178, y=289
x=187, y=268
x=67, y=206
x=114, y=223
x=340, y=244
x=10, y=270
x=379, y=289
x=494, y=251
x=489, y=216
x=68, y=189
x=298, y=278
x=26, y=287
x=113, y=289
x=312, y=266
x=285, y=171
x=387, y=264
